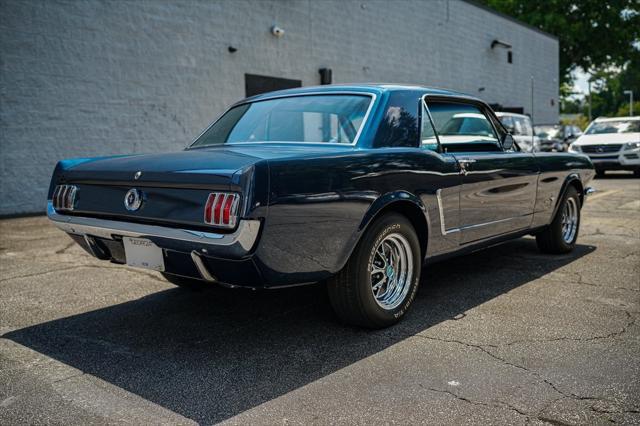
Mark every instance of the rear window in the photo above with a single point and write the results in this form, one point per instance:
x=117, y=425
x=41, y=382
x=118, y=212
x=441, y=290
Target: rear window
x=311, y=118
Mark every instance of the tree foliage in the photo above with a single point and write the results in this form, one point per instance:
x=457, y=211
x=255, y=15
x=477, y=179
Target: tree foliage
x=608, y=97
x=593, y=34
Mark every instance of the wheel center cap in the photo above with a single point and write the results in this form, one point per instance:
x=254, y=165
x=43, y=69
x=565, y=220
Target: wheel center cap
x=390, y=271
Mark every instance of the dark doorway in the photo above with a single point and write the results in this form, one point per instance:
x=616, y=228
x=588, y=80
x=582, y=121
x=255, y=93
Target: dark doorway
x=256, y=84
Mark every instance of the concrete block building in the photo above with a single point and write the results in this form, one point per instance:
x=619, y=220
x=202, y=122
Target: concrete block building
x=94, y=78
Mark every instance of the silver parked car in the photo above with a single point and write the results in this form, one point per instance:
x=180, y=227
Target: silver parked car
x=557, y=137
x=520, y=126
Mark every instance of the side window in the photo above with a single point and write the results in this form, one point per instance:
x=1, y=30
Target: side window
x=527, y=128
x=463, y=127
x=522, y=126
x=507, y=122
x=568, y=132
x=428, y=138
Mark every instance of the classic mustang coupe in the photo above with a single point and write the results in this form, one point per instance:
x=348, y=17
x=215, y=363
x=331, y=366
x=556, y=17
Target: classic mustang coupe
x=358, y=186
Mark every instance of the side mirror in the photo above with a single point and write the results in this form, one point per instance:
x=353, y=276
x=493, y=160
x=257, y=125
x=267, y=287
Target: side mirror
x=507, y=142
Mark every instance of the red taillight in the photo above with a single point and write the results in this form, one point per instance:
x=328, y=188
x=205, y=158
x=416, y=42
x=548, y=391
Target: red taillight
x=207, y=208
x=64, y=197
x=221, y=209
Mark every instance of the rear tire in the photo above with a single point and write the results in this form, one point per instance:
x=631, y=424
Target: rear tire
x=184, y=282
x=600, y=173
x=561, y=235
x=380, y=280
x=636, y=173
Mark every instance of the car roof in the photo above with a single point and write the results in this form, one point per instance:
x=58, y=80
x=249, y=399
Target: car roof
x=627, y=118
x=370, y=88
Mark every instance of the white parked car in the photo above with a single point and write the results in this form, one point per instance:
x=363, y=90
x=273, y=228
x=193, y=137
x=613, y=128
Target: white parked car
x=519, y=125
x=612, y=144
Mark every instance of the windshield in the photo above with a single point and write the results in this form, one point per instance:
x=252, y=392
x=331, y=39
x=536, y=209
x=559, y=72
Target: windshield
x=618, y=126
x=311, y=118
x=548, y=132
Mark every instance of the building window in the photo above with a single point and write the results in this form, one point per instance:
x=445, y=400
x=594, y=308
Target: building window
x=257, y=84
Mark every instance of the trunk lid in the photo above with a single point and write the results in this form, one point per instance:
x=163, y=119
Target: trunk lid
x=176, y=185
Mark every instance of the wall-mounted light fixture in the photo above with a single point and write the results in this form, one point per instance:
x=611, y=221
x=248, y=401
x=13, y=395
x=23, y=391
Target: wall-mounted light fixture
x=277, y=31
x=326, y=76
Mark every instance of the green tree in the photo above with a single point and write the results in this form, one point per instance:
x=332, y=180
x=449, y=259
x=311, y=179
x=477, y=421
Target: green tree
x=593, y=34
x=608, y=98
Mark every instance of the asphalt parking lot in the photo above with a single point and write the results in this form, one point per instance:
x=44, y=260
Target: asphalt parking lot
x=506, y=335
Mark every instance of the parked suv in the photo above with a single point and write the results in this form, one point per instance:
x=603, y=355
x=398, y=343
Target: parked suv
x=556, y=137
x=519, y=125
x=612, y=144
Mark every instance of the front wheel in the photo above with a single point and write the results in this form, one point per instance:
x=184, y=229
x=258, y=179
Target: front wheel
x=380, y=279
x=561, y=235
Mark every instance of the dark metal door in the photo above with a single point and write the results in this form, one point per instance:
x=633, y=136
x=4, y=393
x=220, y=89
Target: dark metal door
x=498, y=193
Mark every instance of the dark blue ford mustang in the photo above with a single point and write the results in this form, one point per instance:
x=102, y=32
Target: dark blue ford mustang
x=358, y=185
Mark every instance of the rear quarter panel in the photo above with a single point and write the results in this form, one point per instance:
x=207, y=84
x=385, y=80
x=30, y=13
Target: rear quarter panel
x=318, y=207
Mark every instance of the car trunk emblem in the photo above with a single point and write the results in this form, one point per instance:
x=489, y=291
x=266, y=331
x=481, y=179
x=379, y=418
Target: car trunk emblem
x=133, y=199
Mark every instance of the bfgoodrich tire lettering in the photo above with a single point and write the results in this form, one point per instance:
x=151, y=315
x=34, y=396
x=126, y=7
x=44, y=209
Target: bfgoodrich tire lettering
x=353, y=292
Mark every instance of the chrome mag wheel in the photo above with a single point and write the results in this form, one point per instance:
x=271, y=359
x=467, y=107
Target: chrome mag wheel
x=391, y=271
x=569, y=220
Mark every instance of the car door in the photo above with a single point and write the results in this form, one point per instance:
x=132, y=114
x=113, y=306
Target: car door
x=498, y=189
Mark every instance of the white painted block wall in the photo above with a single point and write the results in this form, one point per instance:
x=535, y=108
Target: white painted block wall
x=89, y=78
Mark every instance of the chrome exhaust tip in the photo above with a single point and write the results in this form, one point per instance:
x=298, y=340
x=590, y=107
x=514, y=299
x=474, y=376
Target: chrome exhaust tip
x=202, y=268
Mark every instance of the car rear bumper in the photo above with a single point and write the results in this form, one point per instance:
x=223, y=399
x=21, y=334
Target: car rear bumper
x=186, y=252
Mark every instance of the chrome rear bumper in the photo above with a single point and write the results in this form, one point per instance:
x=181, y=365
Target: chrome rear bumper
x=233, y=245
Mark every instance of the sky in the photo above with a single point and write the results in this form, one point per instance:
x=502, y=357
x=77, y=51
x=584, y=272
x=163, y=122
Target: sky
x=580, y=84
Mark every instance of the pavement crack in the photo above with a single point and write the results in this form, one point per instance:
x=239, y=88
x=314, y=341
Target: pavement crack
x=64, y=379
x=511, y=364
x=500, y=404
x=65, y=248
x=630, y=322
x=554, y=422
x=37, y=274
x=74, y=267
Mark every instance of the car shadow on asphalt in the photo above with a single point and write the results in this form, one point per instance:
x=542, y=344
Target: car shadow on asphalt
x=214, y=354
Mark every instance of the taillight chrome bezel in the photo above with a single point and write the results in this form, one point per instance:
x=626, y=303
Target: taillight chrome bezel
x=64, y=197
x=221, y=209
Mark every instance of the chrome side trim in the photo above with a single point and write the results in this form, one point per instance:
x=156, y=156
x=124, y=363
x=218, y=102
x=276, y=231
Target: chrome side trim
x=242, y=239
x=202, y=268
x=292, y=95
x=443, y=229
x=493, y=222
